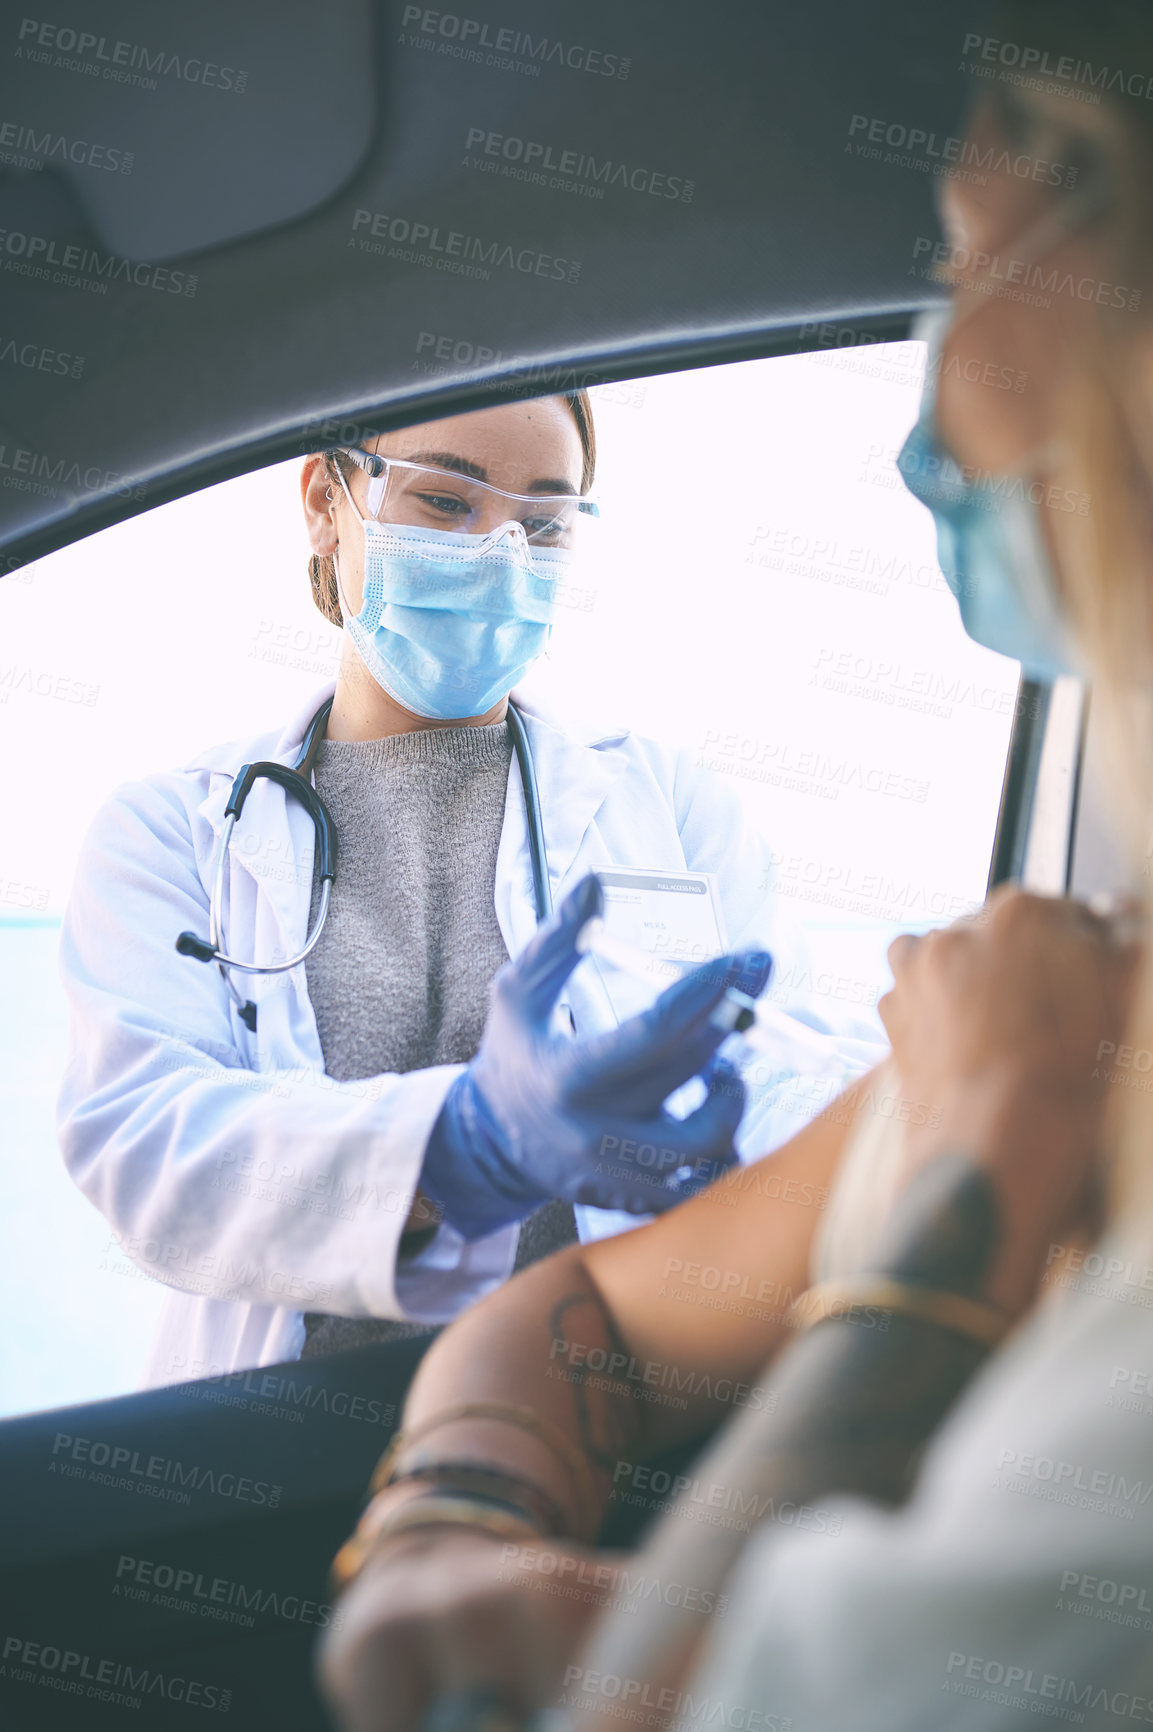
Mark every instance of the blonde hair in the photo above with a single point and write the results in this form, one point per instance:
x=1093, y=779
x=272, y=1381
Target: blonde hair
x=321, y=567
x=1104, y=421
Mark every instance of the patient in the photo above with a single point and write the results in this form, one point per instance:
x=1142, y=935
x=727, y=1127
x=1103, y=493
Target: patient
x=902, y=1523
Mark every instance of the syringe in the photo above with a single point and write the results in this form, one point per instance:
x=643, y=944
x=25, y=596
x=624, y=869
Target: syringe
x=791, y=1044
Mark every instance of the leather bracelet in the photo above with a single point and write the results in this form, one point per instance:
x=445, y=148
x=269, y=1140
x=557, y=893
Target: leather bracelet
x=953, y=1311
x=507, y=1413
x=490, y=1483
x=436, y=1510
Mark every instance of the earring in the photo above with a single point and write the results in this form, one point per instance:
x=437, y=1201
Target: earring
x=328, y=495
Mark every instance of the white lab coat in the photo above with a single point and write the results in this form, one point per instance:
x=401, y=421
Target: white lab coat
x=227, y=1163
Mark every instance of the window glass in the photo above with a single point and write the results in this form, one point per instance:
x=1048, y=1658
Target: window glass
x=763, y=592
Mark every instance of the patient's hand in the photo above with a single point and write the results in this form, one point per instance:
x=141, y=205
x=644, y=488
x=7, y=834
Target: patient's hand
x=1005, y=1025
x=434, y=1615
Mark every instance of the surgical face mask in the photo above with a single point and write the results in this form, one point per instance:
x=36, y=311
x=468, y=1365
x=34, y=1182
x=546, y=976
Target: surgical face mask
x=449, y=623
x=989, y=541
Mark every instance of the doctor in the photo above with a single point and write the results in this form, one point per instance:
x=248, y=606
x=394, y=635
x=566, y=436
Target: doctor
x=307, y=1150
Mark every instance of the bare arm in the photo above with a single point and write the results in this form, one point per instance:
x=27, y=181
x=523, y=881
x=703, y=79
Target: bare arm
x=636, y=1343
x=437, y=1612
x=997, y=1021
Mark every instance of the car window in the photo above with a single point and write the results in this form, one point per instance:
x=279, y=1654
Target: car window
x=763, y=592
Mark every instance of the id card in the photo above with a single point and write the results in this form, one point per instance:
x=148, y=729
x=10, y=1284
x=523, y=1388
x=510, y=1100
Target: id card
x=674, y=920
x=672, y=916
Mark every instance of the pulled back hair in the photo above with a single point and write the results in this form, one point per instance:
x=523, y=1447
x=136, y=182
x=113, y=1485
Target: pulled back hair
x=1091, y=116
x=322, y=569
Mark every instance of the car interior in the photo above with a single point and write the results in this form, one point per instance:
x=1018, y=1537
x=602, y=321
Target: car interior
x=232, y=236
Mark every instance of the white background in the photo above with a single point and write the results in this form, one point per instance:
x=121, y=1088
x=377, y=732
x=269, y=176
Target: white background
x=764, y=591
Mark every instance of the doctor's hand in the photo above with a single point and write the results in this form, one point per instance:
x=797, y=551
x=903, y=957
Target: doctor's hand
x=537, y=1116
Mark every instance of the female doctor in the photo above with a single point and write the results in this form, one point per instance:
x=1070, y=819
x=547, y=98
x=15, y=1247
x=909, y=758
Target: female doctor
x=304, y=1151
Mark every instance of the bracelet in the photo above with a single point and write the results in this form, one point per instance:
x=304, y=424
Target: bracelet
x=435, y=1510
x=509, y=1414
x=953, y=1311
x=492, y=1484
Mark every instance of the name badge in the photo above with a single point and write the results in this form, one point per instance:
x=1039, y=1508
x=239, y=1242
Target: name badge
x=673, y=917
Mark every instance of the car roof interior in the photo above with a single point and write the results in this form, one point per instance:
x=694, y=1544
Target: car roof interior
x=233, y=291
x=242, y=289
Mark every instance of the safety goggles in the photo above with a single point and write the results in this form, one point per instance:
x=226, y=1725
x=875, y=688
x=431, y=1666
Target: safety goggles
x=428, y=498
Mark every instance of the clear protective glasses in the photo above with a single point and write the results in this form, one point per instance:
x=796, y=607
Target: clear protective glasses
x=424, y=497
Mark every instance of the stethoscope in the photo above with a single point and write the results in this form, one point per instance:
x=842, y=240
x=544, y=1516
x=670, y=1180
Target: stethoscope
x=297, y=780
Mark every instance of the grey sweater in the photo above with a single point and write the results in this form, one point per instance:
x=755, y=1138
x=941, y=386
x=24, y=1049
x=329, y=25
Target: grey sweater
x=399, y=978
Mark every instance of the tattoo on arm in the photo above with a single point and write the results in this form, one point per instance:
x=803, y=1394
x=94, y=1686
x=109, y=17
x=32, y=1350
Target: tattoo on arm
x=857, y=1399
x=943, y=1231
x=860, y=1397
x=608, y=1418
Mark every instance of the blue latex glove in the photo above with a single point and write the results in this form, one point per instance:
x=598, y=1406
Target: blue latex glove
x=537, y=1115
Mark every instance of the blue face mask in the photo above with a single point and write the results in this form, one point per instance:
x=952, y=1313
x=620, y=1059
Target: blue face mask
x=989, y=542
x=449, y=623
